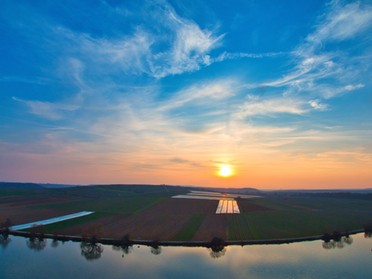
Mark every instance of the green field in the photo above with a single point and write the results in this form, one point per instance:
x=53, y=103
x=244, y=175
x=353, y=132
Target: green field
x=124, y=205
x=65, y=224
x=299, y=217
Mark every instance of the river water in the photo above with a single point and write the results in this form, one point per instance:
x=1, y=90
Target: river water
x=22, y=258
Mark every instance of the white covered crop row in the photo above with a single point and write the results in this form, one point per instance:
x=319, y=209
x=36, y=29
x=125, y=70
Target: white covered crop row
x=227, y=207
x=51, y=220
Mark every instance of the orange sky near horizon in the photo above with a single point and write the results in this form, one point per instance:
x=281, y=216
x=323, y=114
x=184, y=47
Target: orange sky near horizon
x=270, y=171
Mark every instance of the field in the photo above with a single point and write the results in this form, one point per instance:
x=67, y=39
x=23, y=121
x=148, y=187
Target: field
x=149, y=213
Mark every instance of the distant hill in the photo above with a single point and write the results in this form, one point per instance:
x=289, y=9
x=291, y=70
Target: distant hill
x=153, y=188
x=321, y=191
x=29, y=185
x=17, y=185
x=137, y=188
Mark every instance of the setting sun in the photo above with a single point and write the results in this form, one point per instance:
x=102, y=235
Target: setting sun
x=225, y=171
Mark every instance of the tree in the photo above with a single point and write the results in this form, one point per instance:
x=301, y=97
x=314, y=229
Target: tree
x=5, y=226
x=368, y=231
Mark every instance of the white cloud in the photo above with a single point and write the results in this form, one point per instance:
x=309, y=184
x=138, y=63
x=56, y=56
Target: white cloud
x=328, y=92
x=352, y=87
x=52, y=111
x=319, y=71
x=129, y=53
x=207, y=93
x=230, y=56
x=189, y=48
x=271, y=106
x=316, y=104
x=343, y=22
x=308, y=68
x=180, y=46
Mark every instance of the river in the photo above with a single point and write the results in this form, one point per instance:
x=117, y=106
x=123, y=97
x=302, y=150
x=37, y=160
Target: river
x=22, y=258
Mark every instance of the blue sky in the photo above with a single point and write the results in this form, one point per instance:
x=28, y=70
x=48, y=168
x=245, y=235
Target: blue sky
x=166, y=91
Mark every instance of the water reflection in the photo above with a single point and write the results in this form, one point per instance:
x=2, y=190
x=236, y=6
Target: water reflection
x=4, y=240
x=54, y=243
x=36, y=243
x=217, y=248
x=91, y=250
x=337, y=243
x=124, y=248
x=297, y=260
x=156, y=250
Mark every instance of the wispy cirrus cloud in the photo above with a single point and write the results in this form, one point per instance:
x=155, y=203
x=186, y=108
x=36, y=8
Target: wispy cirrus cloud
x=238, y=55
x=319, y=72
x=131, y=54
x=185, y=48
x=342, y=22
x=202, y=93
x=48, y=110
x=270, y=106
x=189, y=49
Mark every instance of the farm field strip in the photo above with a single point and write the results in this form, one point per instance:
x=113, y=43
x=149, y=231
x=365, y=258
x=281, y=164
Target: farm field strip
x=51, y=220
x=221, y=195
x=211, y=194
x=235, y=207
x=196, y=197
x=203, y=193
x=227, y=207
x=219, y=207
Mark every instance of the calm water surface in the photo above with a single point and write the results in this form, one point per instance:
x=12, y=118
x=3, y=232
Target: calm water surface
x=22, y=259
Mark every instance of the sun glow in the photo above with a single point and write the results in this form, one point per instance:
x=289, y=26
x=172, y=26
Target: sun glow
x=225, y=171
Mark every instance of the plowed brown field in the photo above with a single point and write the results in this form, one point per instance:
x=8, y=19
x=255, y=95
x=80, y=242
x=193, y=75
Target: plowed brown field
x=159, y=222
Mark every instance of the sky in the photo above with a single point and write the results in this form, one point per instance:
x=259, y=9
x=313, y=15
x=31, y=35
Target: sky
x=166, y=92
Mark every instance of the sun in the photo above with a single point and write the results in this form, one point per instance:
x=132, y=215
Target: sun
x=225, y=171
